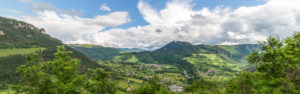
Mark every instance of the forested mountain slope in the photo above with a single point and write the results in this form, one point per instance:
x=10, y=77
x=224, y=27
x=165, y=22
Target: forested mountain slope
x=18, y=38
x=95, y=51
x=100, y=52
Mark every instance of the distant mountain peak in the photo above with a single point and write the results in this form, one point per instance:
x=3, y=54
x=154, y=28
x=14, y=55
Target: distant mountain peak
x=177, y=44
x=179, y=47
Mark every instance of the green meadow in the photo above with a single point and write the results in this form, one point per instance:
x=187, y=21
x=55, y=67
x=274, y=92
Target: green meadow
x=14, y=51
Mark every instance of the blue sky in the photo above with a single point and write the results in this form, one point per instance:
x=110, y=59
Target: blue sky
x=90, y=8
x=150, y=24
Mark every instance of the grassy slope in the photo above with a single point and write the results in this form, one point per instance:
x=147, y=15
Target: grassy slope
x=242, y=49
x=212, y=66
x=14, y=51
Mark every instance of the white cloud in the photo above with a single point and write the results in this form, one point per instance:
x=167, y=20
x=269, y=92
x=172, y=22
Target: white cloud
x=67, y=25
x=104, y=7
x=74, y=29
x=221, y=25
x=112, y=19
x=177, y=22
x=12, y=11
x=174, y=12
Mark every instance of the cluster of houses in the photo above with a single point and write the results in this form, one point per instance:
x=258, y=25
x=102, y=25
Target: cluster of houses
x=176, y=88
x=155, y=66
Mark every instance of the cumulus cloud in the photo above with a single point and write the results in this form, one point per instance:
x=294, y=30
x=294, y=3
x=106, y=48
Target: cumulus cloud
x=67, y=25
x=177, y=22
x=221, y=25
x=104, y=7
x=112, y=19
x=74, y=29
x=172, y=14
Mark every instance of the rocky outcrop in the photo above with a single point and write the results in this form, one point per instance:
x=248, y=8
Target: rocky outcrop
x=43, y=31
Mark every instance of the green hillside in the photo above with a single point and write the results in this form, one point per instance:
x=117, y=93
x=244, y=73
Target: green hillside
x=195, y=59
x=177, y=63
x=97, y=52
x=14, y=51
x=18, y=39
x=130, y=50
x=100, y=52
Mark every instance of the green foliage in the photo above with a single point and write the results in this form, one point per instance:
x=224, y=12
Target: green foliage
x=278, y=70
x=8, y=67
x=99, y=83
x=202, y=86
x=153, y=86
x=60, y=76
x=242, y=85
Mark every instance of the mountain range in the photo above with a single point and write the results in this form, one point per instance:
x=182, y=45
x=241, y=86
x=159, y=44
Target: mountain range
x=176, y=63
x=185, y=60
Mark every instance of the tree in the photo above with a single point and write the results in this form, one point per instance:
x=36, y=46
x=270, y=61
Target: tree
x=60, y=76
x=242, y=85
x=99, y=83
x=153, y=86
x=203, y=86
x=278, y=68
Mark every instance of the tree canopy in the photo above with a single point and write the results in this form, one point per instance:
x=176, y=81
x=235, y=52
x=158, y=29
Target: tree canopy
x=61, y=76
x=278, y=68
